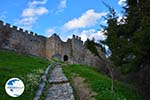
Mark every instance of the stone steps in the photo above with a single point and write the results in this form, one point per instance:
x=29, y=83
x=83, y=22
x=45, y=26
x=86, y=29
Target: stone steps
x=59, y=88
x=42, y=85
x=57, y=76
x=60, y=92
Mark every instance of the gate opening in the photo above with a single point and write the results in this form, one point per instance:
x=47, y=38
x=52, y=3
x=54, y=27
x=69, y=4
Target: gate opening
x=65, y=58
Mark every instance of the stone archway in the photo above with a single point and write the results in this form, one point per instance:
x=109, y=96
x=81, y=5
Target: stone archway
x=65, y=58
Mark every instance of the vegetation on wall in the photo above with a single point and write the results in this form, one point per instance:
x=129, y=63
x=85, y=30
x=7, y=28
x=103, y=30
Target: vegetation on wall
x=91, y=45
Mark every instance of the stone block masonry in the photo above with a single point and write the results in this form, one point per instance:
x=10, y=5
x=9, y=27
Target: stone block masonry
x=73, y=50
x=21, y=41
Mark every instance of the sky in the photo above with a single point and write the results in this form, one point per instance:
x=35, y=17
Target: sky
x=64, y=17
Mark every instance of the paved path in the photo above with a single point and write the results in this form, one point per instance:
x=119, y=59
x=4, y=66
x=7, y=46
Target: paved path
x=60, y=88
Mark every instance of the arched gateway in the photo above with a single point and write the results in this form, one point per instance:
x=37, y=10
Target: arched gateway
x=65, y=58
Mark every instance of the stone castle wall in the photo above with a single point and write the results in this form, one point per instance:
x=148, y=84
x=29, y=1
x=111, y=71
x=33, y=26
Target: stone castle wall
x=73, y=51
x=21, y=41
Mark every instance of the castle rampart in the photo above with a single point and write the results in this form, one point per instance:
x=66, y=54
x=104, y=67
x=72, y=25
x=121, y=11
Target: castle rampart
x=23, y=41
x=28, y=42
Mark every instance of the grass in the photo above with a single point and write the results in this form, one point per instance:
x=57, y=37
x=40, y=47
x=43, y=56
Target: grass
x=28, y=69
x=101, y=84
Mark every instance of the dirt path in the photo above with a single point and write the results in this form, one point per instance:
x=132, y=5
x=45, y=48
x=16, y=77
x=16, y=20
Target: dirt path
x=82, y=89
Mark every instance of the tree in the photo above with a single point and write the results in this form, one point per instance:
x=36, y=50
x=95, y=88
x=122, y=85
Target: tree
x=112, y=41
x=123, y=39
x=138, y=26
x=129, y=42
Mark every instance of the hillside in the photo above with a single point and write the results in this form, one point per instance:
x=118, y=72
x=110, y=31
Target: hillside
x=88, y=84
x=91, y=85
x=28, y=69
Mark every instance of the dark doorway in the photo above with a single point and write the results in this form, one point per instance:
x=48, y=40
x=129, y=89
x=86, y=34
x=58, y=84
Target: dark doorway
x=65, y=58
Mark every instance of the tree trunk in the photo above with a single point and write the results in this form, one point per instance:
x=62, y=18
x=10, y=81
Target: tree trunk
x=112, y=80
x=109, y=66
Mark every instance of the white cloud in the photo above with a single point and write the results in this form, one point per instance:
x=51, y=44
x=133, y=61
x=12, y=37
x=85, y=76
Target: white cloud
x=28, y=12
x=122, y=2
x=31, y=14
x=62, y=5
x=3, y=15
x=34, y=11
x=92, y=33
x=35, y=2
x=41, y=11
x=50, y=31
x=26, y=22
x=89, y=18
x=121, y=19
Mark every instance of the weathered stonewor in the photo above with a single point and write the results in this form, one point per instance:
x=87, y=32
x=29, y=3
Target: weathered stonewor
x=60, y=88
x=27, y=42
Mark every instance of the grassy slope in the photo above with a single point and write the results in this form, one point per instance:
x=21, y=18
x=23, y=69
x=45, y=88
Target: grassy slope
x=28, y=69
x=101, y=84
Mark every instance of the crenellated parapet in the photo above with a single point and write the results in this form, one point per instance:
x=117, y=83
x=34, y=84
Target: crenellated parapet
x=7, y=26
x=28, y=42
x=77, y=38
x=20, y=40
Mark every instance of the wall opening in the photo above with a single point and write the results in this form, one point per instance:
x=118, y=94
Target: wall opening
x=65, y=58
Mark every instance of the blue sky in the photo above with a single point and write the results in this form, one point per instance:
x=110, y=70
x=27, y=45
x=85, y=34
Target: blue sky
x=64, y=17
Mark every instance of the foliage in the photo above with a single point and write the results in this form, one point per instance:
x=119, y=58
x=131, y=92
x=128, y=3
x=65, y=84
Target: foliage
x=129, y=40
x=101, y=84
x=91, y=45
x=28, y=69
